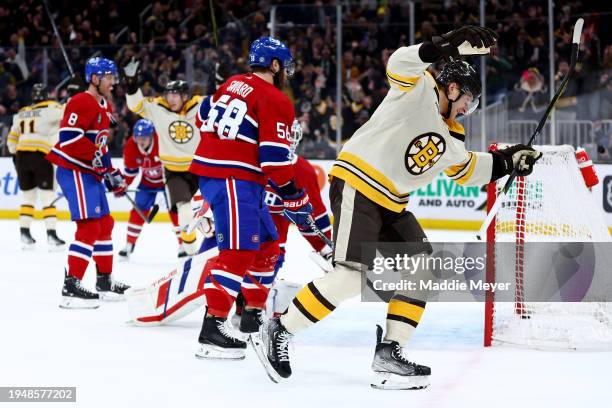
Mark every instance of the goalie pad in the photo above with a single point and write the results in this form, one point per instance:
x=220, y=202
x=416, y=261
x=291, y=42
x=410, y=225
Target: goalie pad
x=280, y=297
x=172, y=297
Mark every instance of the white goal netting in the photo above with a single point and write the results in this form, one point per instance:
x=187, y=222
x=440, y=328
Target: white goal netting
x=544, y=239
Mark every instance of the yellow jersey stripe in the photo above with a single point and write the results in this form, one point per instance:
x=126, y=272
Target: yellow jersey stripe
x=366, y=189
x=402, y=80
x=376, y=175
x=466, y=177
x=453, y=171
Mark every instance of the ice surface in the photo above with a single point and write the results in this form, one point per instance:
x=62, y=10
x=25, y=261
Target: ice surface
x=115, y=364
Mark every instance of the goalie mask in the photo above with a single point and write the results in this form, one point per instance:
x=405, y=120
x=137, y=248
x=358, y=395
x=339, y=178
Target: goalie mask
x=466, y=77
x=294, y=138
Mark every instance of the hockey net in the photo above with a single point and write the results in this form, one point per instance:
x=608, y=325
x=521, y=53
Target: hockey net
x=553, y=204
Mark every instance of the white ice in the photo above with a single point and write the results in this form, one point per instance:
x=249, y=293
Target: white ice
x=115, y=364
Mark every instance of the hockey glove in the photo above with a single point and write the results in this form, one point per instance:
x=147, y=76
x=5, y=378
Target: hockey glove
x=297, y=209
x=101, y=162
x=115, y=182
x=131, y=76
x=520, y=156
x=467, y=40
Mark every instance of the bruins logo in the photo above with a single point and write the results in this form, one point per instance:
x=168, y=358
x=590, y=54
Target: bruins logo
x=180, y=131
x=423, y=152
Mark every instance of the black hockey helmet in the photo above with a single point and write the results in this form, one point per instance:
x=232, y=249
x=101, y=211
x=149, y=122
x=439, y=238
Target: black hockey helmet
x=177, y=86
x=465, y=76
x=39, y=93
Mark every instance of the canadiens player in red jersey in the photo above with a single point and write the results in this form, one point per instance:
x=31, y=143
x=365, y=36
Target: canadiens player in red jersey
x=141, y=152
x=244, y=146
x=83, y=162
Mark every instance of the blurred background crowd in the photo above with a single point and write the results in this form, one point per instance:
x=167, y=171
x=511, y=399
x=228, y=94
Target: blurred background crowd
x=185, y=39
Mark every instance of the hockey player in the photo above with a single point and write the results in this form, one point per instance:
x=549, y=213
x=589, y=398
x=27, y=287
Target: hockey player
x=81, y=155
x=305, y=177
x=244, y=146
x=32, y=135
x=174, y=118
x=410, y=138
x=141, y=152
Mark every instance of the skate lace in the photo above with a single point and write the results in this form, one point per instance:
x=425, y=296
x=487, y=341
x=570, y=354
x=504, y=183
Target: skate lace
x=225, y=330
x=283, y=346
x=399, y=355
x=83, y=288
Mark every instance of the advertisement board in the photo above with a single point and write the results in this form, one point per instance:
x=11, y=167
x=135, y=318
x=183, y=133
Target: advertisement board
x=441, y=204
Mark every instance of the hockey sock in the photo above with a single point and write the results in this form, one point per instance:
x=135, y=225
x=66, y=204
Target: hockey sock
x=135, y=223
x=320, y=297
x=403, y=316
x=260, y=275
x=175, y=225
x=80, y=251
x=49, y=212
x=223, y=280
x=26, y=211
x=103, y=246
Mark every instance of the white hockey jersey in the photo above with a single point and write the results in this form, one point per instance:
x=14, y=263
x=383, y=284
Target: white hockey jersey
x=35, y=128
x=407, y=143
x=177, y=132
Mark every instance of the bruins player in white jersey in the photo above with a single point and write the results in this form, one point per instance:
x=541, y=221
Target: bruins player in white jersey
x=409, y=140
x=174, y=118
x=34, y=132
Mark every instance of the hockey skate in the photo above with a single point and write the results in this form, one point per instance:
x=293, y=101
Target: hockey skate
x=27, y=242
x=108, y=288
x=272, y=349
x=393, y=370
x=237, y=316
x=124, y=254
x=217, y=342
x=54, y=242
x=75, y=296
x=250, y=321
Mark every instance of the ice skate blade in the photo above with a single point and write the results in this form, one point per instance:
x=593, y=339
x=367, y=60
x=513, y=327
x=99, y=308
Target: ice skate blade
x=123, y=258
x=78, y=303
x=258, y=346
x=28, y=247
x=389, y=381
x=212, y=352
x=111, y=296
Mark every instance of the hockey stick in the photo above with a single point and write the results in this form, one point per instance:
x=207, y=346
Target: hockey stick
x=152, y=213
x=311, y=224
x=59, y=39
x=502, y=193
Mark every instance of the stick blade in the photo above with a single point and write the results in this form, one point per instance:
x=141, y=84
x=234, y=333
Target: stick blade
x=578, y=31
x=152, y=213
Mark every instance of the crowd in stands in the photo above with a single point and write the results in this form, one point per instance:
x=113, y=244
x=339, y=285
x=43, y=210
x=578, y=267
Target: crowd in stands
x=181, y=39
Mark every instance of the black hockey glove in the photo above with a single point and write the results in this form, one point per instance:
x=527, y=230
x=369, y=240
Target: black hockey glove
x=468, y=40
x=520, y=156
x=131, y=76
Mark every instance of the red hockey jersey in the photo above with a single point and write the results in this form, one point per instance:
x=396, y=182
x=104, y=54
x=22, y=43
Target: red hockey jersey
x=244, y=129
x=306, y=178
x=84, y=129
x=134, y=159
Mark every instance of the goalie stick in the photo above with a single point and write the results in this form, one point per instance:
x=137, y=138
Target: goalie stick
x=502, y=193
